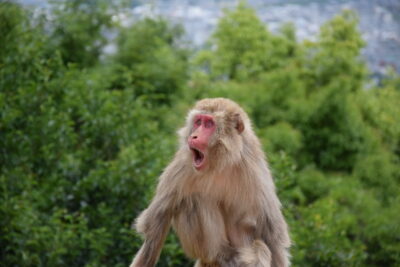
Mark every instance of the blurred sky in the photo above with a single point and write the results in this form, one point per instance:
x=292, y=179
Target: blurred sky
x=379, y=20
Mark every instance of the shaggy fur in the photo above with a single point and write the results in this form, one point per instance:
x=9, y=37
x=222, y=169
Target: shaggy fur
x=225, y=215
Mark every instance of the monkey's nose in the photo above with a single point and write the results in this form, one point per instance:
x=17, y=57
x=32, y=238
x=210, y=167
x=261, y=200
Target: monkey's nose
x=194, y=136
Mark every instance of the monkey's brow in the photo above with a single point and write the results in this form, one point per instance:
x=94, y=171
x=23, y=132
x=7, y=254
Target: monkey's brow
x=202, y=111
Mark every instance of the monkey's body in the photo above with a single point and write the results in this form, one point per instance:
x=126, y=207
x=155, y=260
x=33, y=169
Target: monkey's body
x=209, y=214
x=225, y=211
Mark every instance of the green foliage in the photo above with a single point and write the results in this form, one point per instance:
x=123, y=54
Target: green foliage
x=334, y=129
x=336, y=53
x=83, y=140
x=244, y=47
x=150, y=57
x=78, y=29
x=282, y=137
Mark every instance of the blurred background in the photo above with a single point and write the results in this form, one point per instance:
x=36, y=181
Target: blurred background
x=93, y=91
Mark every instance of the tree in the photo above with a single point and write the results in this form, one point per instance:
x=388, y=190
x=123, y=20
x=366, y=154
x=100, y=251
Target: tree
x=78, y=29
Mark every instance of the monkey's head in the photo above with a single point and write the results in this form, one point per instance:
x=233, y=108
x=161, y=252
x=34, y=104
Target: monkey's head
x=214, y=133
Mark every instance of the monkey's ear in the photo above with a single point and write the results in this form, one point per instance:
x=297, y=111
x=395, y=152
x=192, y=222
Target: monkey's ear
x=239, y=125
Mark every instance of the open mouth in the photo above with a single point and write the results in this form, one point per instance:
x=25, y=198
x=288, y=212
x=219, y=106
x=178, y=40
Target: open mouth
x=198, y=157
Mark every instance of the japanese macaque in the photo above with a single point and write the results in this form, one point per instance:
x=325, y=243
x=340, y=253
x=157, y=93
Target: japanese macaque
x=218, y=194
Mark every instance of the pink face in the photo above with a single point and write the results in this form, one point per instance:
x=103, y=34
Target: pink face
x=203, y=129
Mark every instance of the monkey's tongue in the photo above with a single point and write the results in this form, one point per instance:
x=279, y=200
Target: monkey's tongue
x=198, y=157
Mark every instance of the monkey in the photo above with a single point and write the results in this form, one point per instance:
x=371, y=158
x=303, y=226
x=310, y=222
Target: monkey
x=218, y=194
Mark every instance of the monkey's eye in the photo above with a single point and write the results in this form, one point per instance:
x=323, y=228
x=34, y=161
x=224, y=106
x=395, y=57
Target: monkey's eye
x=209, y=124
x=197, y=122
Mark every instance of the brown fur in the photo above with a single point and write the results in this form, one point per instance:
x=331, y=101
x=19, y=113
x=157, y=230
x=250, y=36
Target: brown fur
x=225, y=215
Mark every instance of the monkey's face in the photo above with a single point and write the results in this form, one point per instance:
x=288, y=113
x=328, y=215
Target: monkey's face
x=203, y=128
